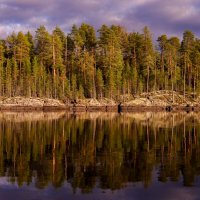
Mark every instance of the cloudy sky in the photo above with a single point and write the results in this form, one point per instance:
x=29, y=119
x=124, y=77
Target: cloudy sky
x=162, y=16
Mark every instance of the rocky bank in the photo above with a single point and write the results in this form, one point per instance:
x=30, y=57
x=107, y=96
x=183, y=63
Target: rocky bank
x=159, y=100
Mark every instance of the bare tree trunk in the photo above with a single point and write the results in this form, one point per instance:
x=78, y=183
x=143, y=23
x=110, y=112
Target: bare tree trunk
x=94, y=85
x=54, y=68
x=54, y=59
x=172, y=78
x=66, y=52
x=147, y=79
x=184, y=79
x=162, y=67
x=20, y=63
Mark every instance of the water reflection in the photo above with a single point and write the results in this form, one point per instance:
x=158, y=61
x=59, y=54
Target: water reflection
x=104, y=150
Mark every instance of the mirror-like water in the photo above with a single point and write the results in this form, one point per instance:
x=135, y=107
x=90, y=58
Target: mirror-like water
x=95, y=156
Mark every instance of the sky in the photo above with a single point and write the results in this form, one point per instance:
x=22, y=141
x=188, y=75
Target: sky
x=170, y=17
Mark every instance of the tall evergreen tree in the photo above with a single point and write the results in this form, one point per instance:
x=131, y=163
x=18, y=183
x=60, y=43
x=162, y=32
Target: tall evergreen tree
x=162, y=42
x=186, y=50
x=148, y=53
x=43, y=47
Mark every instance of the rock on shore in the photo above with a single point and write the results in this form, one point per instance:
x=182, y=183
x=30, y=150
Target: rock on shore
x=162, y=99
x=29, y=102
x=153, y=99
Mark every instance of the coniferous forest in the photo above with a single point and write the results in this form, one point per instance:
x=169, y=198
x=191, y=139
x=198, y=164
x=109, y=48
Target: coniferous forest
x=89, y=63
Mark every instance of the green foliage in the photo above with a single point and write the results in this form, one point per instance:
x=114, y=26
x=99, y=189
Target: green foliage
x=44, y=46
x=8, y=84
x=99, y=83
x=83, y=64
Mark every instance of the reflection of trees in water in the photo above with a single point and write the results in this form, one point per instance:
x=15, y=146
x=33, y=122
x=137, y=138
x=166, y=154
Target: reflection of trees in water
x=95, y=148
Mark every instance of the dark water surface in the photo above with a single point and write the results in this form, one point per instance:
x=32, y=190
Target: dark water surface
x=99, y=156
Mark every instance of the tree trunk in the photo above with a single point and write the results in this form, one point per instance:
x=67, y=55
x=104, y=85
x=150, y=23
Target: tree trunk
x=94, y=85
x=147, y=79
x=184, y=79
x=172, y=78
x=162, y=68
x=54, y=68
x=194, y=87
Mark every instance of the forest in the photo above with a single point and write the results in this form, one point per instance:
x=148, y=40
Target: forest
x=89, y=63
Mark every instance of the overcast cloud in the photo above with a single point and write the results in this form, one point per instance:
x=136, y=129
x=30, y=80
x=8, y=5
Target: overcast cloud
x=171, y=16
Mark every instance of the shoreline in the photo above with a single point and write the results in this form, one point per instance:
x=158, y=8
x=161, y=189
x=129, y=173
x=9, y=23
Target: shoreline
x=106, y=108
x=156, y=102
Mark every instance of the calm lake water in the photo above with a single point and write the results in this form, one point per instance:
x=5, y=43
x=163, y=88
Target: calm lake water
x=99, y=156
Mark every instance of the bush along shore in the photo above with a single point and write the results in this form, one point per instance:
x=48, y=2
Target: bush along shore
x=154, y=101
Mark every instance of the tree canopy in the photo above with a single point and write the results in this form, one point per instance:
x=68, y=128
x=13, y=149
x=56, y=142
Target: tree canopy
x=89, y=63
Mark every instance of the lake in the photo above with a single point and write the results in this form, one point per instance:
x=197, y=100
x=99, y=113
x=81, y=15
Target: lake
x=99, y=156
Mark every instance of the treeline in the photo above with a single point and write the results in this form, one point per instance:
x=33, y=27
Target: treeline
x=107, y=63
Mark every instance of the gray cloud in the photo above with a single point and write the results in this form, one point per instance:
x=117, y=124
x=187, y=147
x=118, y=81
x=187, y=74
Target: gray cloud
x=171, y=16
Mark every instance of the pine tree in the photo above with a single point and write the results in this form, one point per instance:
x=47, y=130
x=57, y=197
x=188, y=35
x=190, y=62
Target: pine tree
x=99, y=84
x=43, y=47
x=29, y=37
x=22, y=53
x=195, y=57
x=8, y=80
x=74, y=87
x=27, y=78
x=35, y=77
x=22, y=50
x=173, y=47
x=186, y=49
x=112, y=60
x=15, y=78
x=148, y=56
x=58, y=67
x=162, y=42
x=11, y=45
x=135, y=79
